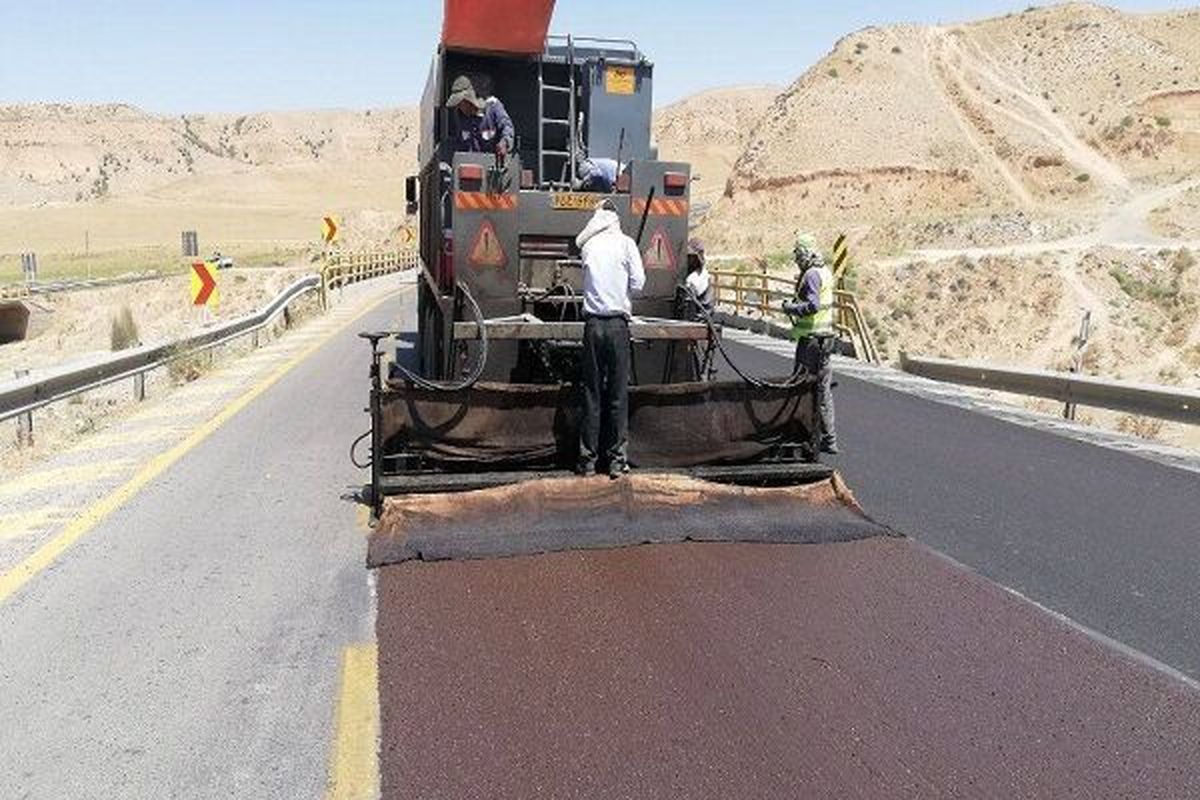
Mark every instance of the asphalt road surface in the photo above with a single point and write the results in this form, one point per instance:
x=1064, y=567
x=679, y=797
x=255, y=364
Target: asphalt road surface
x=868, y=669
x=1103, y=537
x=189, y=646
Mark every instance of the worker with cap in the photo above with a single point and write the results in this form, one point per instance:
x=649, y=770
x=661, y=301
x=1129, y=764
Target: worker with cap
x=698, y=282
x=482, y=125
x=612, y=274
x=812, y=327
x=596, y=174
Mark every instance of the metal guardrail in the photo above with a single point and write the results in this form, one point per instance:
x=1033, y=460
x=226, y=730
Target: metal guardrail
x=18, y=291
x=25, y=395
x=344, y=269
x=764, y=294
x=1163, y=402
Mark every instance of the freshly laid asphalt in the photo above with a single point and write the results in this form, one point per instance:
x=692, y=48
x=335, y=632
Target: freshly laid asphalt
x=1104, y=537
x=866, y=669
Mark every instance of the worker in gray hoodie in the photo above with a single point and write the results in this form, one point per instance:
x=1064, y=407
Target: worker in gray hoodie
x=612, y=274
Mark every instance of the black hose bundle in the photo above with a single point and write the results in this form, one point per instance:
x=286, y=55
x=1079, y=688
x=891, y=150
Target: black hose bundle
x=473, y=377
x=799, y=375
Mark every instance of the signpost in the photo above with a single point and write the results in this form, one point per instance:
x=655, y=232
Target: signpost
x=29, y=266
x=191, y=244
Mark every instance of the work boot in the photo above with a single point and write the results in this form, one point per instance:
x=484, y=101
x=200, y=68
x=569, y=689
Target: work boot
x=617, y=470
x=829, y=445
x=585, y=470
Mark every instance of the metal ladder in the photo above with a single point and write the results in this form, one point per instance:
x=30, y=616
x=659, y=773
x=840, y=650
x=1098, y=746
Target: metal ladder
x=567, y=157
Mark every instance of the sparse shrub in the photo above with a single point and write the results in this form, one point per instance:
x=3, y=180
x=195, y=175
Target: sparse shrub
x=1164, y=295
x=1141, y=427
x=903, y=309
x=833, y=73
x=1127, y=121
x=896, y=50
x=1183, y=261
x=1082, y=177
x=187, y=368
x=1163, y=122
x=123, y=333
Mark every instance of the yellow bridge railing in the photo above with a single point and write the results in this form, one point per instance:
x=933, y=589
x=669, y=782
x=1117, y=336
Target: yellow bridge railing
x=759, y=293
x=14, y=291
x=343, y=269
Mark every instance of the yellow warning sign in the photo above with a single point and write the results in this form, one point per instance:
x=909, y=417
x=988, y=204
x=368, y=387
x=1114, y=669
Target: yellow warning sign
x=841, y=252
x=620, y=79
x=329, y=229
x=204, y=285
x=659, y=255
x=487, y=252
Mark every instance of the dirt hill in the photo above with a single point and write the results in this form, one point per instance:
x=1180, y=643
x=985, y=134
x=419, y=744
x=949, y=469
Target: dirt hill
x=709, y=130
x=69, y=153
x=1025, y=126
x=114, y=178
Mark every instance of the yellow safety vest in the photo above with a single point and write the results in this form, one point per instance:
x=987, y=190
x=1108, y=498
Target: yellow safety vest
x=821, y=322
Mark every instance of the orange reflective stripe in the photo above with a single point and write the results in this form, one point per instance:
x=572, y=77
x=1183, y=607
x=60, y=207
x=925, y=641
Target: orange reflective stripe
x=662, y=207
x=482, y=201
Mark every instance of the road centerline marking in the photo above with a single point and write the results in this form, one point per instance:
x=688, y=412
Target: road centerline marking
x=15, y=579
x=354, y=757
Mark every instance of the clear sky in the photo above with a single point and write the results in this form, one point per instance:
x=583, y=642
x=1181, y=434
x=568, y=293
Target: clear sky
x=173, y=56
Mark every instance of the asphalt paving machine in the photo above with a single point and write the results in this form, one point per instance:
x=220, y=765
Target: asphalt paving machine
x=486, y=394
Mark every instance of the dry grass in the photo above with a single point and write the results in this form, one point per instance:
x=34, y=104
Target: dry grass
x=1142, y=427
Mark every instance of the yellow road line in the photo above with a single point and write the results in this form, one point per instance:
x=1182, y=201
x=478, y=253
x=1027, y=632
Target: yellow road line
x=362, y=517
x=52, y=478
x=12, y=581
x=354, y=762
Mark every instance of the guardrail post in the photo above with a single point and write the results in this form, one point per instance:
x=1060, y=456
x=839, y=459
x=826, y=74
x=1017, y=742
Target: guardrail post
x=139, y=387
x=24, y=421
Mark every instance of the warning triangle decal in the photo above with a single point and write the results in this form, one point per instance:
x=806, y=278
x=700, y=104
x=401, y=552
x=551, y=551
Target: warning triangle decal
x=487, y=252
x=659, y=255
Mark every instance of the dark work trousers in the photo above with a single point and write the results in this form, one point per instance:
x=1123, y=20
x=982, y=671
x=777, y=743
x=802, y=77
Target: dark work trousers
x=605, y=365
x=813, y=353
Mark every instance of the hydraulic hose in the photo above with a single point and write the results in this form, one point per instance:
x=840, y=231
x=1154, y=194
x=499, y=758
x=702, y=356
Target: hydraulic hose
x=354, y=448
x=473, y=377
x=799, y=375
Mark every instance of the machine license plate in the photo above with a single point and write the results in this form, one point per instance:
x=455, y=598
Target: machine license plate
x=575, y=201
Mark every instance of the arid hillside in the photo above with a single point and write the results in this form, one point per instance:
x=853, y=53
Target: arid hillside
x=1017, y=128
x=998, y=180
x=709, y=130
x=114, y=178
x=61, y=153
